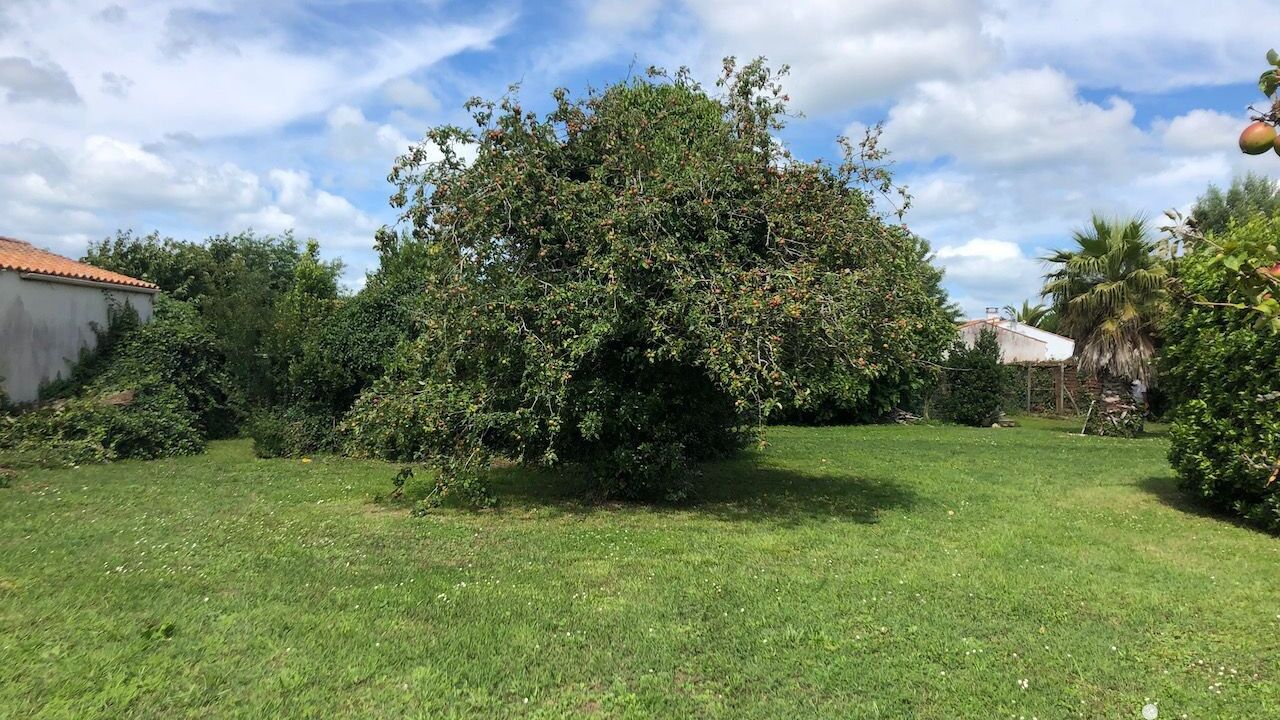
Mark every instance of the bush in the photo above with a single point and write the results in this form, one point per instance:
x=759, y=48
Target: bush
x=149, y=422
x=292, y=432
x=1222, y=371
x=234, y=282
x=152, y=391
x=976, y=382
x=176, y=347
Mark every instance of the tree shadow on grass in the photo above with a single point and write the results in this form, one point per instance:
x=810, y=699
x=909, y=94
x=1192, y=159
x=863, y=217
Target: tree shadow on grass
x=1165, y=489
x=740, y=489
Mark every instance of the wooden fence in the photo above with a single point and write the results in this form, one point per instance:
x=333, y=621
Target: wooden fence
x=1050, y=387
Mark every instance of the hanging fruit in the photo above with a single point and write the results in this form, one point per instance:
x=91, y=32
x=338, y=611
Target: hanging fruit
x=1261, y=135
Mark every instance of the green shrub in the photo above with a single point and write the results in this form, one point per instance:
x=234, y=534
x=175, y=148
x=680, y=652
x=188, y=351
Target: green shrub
x=976, y=382
x=122, y=321
x=1223, y=373
x=235, y=283
x=176, y=347
x=292, y=432
x=149, y=421
x=154, y=390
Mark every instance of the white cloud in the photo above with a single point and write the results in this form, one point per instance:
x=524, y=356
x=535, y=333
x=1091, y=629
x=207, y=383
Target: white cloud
x=352, y=137
x=199, y=117
x=112, y=14
x=409, y=94
x=1138, y=44
x=1015, y=118
x=849, y=53
x=297, y=204
x=943, y=195
x=25, y=81
x=983, y=272
x=116, y=84
x=621, y=14
x=1201, y=131
x=50, y=197
x=118, y=175
x=1022, y=156
x=209, y=80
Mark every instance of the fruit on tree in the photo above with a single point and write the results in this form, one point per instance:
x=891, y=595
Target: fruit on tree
x=1257, y=138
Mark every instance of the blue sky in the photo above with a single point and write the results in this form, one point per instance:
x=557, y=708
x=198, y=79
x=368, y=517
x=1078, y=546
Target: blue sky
x=1009, y=120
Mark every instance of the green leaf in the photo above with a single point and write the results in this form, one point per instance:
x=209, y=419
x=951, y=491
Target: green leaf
x=1232, y=262
x=1268, y=82
x=1273, y=57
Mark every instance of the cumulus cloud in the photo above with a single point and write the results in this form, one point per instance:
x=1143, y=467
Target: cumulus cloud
x=112, y=14
x=297, y=204
x=229, y=75
x=352, y=137
x=850, y=53
x=983, y=272
x=1138, y=45
x=621, y=14
x=1024, y=157
x=1201, y=131
x=220, y=125
x=47, y=195
x=116, y=84
x=1014, y=118
x=26, y=81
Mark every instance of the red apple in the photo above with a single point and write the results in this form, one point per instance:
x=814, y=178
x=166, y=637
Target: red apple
x=1257, y=138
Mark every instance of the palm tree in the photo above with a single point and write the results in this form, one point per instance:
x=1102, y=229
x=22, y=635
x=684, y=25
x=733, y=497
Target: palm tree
x=1108, y=292
x=1037, y=316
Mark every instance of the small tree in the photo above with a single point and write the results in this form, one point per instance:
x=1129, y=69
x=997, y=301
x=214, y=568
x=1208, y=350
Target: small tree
x=1109, y=292
x=636, y=282
x=1039, y=315
x=976, y=381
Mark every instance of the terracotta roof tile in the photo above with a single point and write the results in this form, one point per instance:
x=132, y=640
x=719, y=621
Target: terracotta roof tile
x=24, y=257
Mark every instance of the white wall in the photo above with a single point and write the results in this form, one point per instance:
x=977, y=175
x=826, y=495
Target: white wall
x=1022, y=343
x=1057, y=347
x=43, y=326
x=1014, y=347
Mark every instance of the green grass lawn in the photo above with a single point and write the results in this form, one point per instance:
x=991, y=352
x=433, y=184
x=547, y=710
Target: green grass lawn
x=906, y=572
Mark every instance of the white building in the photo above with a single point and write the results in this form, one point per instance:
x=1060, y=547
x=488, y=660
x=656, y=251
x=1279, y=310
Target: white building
x=1019, y=342
x=49, y=306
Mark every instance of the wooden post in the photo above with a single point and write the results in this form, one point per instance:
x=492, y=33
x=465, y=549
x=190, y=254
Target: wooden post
x=1028, y=387
x=1062, y=387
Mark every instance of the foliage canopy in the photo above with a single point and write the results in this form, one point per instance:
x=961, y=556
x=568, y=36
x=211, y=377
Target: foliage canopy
x=1223, y=369
x=1246, y=198
x=238, y=283
x=636, y=280
x=1108, y=291
x=151, y=391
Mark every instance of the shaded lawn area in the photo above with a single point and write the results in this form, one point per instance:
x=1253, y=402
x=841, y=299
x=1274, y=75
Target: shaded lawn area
x=885, y=571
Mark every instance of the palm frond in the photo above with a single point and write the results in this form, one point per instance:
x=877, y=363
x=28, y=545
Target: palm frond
x=1106, y=292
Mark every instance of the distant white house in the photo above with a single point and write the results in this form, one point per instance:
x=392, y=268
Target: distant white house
x=1019, y=342
x=49, y=306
